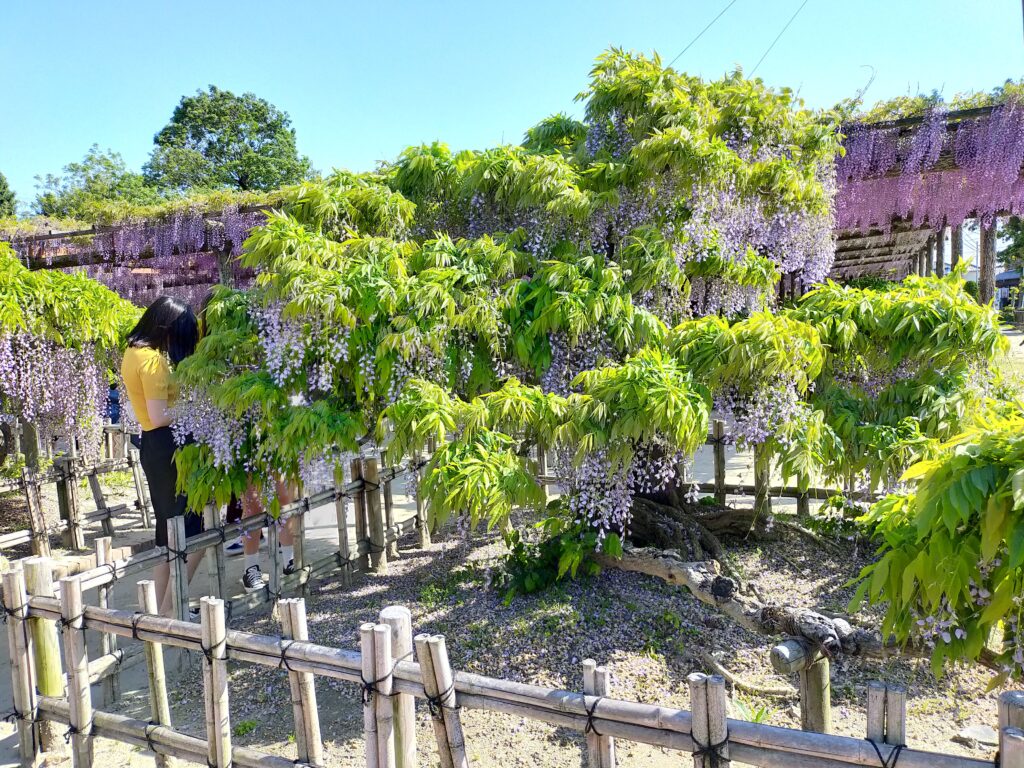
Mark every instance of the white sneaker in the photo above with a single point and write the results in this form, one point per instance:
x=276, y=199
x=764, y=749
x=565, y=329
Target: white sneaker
x=252, y=579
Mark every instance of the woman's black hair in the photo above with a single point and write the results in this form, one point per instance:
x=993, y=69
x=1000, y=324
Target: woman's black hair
x=168, y=325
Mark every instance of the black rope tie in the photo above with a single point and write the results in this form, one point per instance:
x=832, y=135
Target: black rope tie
x=208, y=653
x=894, y=756
x=13, y=716
x=591, y=727
x=136, y=618
x=9, y=613
x=179, y=554
x=436, y=703
x=72, y=731
x=713, y=751
x=223, y=534
x=148, y=733
x=63, y=623
x=370, y=486
x=285, y=646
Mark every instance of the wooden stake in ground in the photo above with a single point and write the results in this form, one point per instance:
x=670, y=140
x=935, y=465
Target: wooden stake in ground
x=46, y=648
x=141, y=489
x=718, y=451
x=359, y=508
x=36, y=519
x=216, y=565
x=159, y=708
x=590, y=689
x=79, y=698
x=368, y=671
x=215, y=680
x=307, y=717
x=390, y=529
x=429, y=679
x=422, y=523
x=108, y=640
x=718, y=728
x=699, y=719
x=383, y=706
x=341, y=512
x=1011, y=716
x=449, y=708
x=20, y=647
x=606, y=744
x=399, y=619
x=378, y=543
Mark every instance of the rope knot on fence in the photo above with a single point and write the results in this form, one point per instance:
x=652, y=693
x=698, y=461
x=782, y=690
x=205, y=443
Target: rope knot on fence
x=714, y=752
x=436, y=704
x=591, y=726
x=894, y=755
x=73, y=731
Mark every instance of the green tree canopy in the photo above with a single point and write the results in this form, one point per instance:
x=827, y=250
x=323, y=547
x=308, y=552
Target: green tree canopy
x=101, y=177
x=7, y=201
x=217, y=139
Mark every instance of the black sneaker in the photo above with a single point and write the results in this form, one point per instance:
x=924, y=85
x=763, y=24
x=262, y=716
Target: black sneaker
x=290, y=568
x=252, y=579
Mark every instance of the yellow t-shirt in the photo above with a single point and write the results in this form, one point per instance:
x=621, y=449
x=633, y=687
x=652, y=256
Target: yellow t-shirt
x=147, y=376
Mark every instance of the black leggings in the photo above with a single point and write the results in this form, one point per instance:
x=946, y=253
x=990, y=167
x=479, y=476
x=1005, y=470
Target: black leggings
x=157, y=458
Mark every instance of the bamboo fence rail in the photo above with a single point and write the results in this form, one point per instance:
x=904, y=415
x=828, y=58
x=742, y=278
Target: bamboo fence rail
x=388, y=682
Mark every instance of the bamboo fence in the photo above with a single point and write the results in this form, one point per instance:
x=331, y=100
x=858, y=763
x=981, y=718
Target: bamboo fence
x=392, y=684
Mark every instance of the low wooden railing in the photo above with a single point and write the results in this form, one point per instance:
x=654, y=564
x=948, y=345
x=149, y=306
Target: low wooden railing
x=391, y=683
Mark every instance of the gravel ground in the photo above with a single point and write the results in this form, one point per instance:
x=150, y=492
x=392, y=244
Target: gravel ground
x=652, y=636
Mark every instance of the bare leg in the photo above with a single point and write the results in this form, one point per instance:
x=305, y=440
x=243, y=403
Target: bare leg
x=162, y=577
x=251, y=506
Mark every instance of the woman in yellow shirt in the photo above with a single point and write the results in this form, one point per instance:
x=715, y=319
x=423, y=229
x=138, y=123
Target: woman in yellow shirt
x=165, y=335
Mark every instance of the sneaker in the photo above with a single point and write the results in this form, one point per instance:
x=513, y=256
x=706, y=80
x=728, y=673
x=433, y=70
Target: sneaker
x=290, y=568
x=252, y=579
x=193, y=614
x=237, y=546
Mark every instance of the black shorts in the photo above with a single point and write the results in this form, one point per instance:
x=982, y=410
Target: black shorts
x=157, y=459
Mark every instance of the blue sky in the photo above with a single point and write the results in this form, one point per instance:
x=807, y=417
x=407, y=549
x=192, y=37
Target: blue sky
x=362, y=81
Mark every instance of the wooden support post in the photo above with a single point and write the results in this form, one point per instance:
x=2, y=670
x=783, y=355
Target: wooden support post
x=803, y=505
x=141, y=489
x=718, y=451
x=67, y=501
x=797, y=655
x=718, y=727
x=307, y=717
x=216, y=566
x=399, y=619
x=1011, y=753
x=299, y=547
x=368, y=671
x=359, y=506
x=100, y=501
x=274, y=553
x=1011, y=716
x=378, y=550
x=36, y=518
x=940, y=252
x=30, y=445
x=699, y=719
x=422, y=519
x=178, y=580
x=929, y=259
x=77, y=656
x=21, y=647
x=390, y=530
x=956, y=245
x=987, y=270
x=921, y=258
x=446, y=685
x=876, y=712
x=108, y=640
x=49, y=676
x=606, y=744
x=762, y=480
x=590, y=689
x=341, y=513
x=159, y=707
x=542, y=470
x=382, y=698
x=429, y=677
x=215, y=681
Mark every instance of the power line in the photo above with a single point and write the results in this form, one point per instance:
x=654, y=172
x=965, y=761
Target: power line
x=791, y=19
x=701, y=33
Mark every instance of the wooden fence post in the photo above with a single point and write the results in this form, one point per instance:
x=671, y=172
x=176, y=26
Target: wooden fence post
x=422, y=521
x=876, y=712
x=216, y=565
x=429, y=679
x=718, y=452
x=299, y=546
x=77, y=656
x=101, y=503
x=1011, y=716
x=542, y=470
x=20, y=646
x=359, y=506
x=718, y=727
x=590, y=689
x=368, y=671
x=606, y=744
x=68, y=501
x=698, y=682
x=46, y=648
x=307, y=717
x=108, y=640
x=159, y=707
x=399, y=619
x=795, y=655
x=390, y=530
x=36, y=518
x=274, y=553
x=341, y=513
x=215, y=681
x=142, y=503
x=446, y=686
x=378, y=548
x=895, y=716
x=384, y=683
x=762, y=480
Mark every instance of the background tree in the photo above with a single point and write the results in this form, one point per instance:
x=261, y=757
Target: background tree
x=7, y=200
x=217, y=139
x=101, y=177
x=1013, y=232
